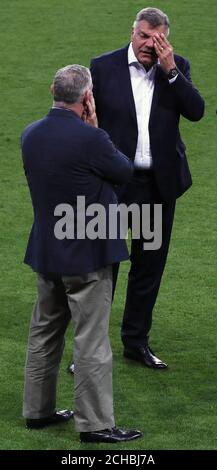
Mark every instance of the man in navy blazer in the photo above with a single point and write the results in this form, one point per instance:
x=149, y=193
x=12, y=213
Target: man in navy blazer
x=65, y=157
x=140, y=92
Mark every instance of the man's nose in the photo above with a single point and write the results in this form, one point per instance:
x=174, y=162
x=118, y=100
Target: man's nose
x=150, y=43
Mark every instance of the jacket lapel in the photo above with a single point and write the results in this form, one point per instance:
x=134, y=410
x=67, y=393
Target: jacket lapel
x=160, y=82
x=125, y=87
x=123, y=75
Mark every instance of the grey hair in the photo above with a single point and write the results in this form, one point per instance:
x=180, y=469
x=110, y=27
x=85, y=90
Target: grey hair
x=71, y=82
x=153, y=16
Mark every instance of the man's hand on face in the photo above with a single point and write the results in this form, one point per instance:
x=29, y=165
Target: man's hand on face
x=89, y=114
x=164, y=51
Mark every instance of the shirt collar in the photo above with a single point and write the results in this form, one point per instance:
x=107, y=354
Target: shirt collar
x=132, y=60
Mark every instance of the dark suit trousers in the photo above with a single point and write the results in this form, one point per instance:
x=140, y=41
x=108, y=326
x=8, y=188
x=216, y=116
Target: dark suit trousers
x=147, y=266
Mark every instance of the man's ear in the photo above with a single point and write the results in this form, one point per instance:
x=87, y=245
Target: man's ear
x=86, y=97
x=132, y=32
x=52, y=89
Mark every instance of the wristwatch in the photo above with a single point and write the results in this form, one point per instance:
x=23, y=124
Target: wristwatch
x=172, y=73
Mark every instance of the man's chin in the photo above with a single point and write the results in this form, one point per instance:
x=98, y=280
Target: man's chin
x=147, y=61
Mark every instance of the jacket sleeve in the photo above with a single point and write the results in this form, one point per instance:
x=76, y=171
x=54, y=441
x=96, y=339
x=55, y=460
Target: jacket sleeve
x=93, y=71
x=190, y=104
x=107, y=162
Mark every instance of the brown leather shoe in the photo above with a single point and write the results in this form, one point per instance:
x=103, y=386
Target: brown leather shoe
x=57, y=418
x=110, y=435
x=146, y=356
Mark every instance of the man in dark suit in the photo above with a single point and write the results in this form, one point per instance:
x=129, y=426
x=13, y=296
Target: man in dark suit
x=65, y=156
x=140, y=92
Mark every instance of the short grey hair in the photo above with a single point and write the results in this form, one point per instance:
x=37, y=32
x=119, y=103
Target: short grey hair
x=71, y=82
x=153, y=16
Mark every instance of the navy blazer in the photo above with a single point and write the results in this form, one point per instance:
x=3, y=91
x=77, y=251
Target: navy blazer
x=63, y=158
x=117, y=115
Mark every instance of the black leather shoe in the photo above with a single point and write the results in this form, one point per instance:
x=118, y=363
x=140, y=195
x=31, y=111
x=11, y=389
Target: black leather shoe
x=71, y=368
x=57, y=418
x=144, y=355
x=110, y=435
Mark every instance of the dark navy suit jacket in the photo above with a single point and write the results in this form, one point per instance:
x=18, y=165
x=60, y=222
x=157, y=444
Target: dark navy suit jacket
x=117, y=115
x=64, y=158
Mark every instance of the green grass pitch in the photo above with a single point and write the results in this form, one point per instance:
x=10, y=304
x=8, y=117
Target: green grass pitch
x=175, y=409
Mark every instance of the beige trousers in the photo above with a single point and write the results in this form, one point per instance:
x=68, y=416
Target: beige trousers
x=86, y=299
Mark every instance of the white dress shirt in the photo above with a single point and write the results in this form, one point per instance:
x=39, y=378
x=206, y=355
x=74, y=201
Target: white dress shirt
x=143, y=87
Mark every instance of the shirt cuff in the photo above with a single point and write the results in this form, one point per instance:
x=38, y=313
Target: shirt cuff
x=172, y=80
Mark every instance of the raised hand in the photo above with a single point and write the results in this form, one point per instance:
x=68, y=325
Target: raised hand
x=164, y=51
x=89, y=114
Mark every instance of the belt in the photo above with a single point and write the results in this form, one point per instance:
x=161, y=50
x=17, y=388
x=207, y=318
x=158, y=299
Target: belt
x=148, y=171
